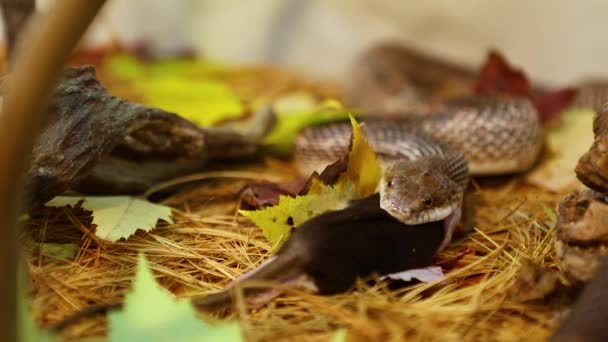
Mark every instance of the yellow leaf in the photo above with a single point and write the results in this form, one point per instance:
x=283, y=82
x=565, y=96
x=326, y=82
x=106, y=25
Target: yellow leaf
x=117, y=217
x=566, y=144
x=202, y=101
x=360, y=180
x=295, y=112
x=192, y=89
x=364, y=169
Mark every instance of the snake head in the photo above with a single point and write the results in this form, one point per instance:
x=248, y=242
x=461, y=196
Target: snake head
x=418, y=192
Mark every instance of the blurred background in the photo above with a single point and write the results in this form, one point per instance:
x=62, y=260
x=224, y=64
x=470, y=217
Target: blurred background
x=554, y=41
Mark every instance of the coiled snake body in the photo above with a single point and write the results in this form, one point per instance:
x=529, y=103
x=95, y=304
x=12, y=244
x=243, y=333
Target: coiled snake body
x=427, y=158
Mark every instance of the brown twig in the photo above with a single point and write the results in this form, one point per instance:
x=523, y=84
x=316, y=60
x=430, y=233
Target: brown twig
x=37, y=62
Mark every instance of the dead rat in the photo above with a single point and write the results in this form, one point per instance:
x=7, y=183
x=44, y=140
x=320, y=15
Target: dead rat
x=332, y=250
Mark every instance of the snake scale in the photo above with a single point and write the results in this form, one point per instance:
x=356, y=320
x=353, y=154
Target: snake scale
x=428, y=157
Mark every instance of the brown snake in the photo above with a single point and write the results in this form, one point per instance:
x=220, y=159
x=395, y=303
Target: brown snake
x=427, y=158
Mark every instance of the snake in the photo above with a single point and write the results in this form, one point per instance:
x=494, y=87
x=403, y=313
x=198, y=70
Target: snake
x=428, y=157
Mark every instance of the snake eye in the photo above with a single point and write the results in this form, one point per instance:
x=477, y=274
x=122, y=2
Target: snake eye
x=428, y=201
x=391, y=183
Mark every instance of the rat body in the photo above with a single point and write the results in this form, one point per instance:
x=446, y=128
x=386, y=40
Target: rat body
x=333, y=250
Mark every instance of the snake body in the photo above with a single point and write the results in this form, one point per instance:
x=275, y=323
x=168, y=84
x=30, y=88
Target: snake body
x=428, y=157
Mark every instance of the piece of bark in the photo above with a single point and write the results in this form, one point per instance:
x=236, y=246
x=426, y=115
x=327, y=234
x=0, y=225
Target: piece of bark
x=534, y=282
x=581, y=235
x=86, y=127
x=582, y=219
x=592, y=168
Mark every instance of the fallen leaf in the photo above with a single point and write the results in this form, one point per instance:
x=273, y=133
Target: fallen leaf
x=550, y=213
x=296, y=113
x=151, y=314
x=189, y=87
x=202, y=101
x=59, y=250
x=262, y=194
x=425, y=275
x=277, y=221
x=117, y=217
x=550, y=105
x=566, y=143
x=360, y=180
x=340, y=336
x=27, y=329
x=363, y=171
x=497, y=76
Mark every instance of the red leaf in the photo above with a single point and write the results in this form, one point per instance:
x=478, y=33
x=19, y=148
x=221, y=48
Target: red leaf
x=497, y=77
x=550, y=105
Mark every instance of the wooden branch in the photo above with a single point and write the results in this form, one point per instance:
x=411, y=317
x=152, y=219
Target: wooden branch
x=44, y=48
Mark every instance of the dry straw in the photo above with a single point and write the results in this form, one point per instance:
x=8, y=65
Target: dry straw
x=209, y=245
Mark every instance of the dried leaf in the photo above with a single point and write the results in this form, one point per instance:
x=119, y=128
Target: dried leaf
x=566, y=144
x=151, y=314
x=498, y=77
x=425, y=275
x=551, y=105
x=360, y=180
x=262, y=194
x=117, y=217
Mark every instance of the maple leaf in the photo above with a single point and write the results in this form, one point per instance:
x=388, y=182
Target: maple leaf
x=151, y=314
x=498, y=77
x=550, y=105
x=566, y=143
x=117, y=217
x=360, y=180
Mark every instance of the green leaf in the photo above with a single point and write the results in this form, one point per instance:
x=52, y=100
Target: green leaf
x=277, y=221
x=202, y=101
x=151, y=314
x=296, y=112
x=360, y=180
x=189, y=88
x=28, y=331
x=60, y=250
x=340, y=336
x=117, y=217
x=551, y=214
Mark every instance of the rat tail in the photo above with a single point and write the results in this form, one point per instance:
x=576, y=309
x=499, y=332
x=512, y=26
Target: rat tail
x=88, y=312
x=280, y=268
